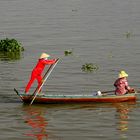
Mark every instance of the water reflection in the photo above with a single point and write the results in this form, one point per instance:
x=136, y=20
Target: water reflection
x=8, y=56
x=123, y=110
x=35, y=119
x=123, y=116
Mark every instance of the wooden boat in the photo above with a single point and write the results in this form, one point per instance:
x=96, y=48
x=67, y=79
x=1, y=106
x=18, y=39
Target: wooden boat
x=79, y=98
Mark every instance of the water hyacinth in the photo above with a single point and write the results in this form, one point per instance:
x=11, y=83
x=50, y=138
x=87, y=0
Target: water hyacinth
x=128, y=34
x=68, y=52
x=89, y=67
x=10, y=45
x=10, y=49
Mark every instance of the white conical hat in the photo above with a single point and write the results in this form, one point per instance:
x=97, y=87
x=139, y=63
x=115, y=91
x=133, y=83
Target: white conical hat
x=44, y=55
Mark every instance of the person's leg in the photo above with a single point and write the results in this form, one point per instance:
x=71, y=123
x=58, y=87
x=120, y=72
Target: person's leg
x=39, y=79
x=33, y=77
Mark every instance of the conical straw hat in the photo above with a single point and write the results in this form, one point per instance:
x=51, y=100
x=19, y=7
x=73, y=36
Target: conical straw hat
x=44, y=55
x=123, y=74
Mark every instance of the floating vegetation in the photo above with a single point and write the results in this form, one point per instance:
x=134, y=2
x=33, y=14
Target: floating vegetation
x=10, y=45
x=89, y=67
x=74, y=10
x=111, y=54
x=68, y=52
x=128, y=34
x=10, y=49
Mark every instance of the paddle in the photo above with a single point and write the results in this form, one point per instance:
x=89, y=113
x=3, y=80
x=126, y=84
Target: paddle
x=108, y=91
x=44, y=79
x=100, y=93
x=137, y=90
x=113, y=91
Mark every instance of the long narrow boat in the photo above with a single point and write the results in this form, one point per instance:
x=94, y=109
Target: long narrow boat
x=79, y=98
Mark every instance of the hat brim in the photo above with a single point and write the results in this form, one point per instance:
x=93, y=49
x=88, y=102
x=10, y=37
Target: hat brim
x=44, y=55
x=122, y=76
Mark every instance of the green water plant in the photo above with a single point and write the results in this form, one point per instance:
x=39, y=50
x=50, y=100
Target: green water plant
x=10, y=49
x=68, y=52
x=128, y=34
x=10, y=45
x=89, y=67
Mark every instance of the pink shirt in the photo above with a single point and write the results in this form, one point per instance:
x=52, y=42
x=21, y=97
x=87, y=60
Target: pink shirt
x=121, y=85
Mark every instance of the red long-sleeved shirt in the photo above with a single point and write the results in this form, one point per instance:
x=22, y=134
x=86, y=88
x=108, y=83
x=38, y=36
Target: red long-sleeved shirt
x=41, y=64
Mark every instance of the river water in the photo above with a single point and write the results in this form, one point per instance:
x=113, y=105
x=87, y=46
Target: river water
x=103, y=32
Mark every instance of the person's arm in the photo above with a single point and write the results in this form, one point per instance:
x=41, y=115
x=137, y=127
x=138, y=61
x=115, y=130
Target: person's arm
x=116, y=83
x=49, y=62
x=131, y=90
x=126, y=84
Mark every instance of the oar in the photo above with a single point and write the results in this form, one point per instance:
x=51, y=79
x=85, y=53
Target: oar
x=100, y=93
x=104, y=92
x=137, y=90
x=44, y=79
x=108, y=91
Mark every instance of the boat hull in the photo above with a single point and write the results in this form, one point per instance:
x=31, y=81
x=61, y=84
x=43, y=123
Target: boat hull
x=53, y=99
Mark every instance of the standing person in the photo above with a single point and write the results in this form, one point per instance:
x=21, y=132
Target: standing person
x=37, y=71
x=121, y=84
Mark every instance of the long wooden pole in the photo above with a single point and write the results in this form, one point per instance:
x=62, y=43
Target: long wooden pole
x=47, y=74
x=108, y=91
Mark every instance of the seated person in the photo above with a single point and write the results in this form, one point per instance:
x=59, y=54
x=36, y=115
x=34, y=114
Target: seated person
x=121, y=84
